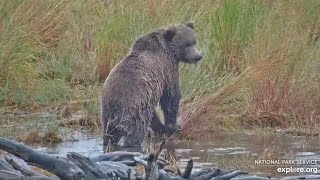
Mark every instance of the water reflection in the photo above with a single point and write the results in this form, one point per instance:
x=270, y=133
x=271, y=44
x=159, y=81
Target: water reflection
x=227, y=151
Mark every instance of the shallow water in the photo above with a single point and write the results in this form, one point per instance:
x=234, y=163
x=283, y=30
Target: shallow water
x=226, y=151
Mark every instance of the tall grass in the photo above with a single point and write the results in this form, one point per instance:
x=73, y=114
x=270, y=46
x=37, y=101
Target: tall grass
x=261, y=58
x=275, y=84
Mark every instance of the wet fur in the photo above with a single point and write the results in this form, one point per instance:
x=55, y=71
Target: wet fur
x=147, y=76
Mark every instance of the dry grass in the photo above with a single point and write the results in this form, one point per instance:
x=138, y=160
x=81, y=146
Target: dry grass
x=201, y=113
x=31, y=136
x=273, y=89
x=34, y=136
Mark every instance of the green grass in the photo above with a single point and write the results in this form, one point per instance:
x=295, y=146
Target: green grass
x=260, y=57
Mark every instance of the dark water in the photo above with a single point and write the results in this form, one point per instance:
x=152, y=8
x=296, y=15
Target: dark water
x=226, y=151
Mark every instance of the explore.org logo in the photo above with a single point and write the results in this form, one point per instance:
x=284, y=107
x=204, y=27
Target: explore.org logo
x=290, y=165
x=297, y=170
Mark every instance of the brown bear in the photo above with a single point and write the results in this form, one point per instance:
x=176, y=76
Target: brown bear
x=146, y=77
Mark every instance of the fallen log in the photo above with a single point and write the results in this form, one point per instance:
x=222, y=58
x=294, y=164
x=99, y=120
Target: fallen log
x=115, y=156
x=21, y=167
x=114, y=165
x=59, y=166
x=12, y=170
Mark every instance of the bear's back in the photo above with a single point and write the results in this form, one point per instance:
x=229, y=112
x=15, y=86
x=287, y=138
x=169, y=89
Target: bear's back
x=135, y=79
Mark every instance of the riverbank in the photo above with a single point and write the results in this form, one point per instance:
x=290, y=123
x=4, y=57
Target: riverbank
x=259, y=69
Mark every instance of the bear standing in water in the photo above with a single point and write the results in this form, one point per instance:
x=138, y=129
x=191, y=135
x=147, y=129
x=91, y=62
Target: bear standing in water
x=148, y=76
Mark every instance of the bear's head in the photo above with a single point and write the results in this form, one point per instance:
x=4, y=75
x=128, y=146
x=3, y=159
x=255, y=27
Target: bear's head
x=181, y=41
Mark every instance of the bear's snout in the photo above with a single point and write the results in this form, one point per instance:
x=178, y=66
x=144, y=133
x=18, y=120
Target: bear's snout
x=198, y=57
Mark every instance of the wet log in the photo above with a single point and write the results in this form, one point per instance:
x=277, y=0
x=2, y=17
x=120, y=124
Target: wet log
x=187, y=172
x=5, y=166
x=253, y=178
x=115, y=165
x=115, y=156
x=60, y=166
x=21, y=167
x=10, y=172
x=229, y=175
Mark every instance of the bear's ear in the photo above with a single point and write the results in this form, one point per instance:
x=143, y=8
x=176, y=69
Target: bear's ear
x=190, y=25
x=169, y=33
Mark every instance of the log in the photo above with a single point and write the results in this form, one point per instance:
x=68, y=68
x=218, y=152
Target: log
x=253, y=178
x=228, y=175
x=61, y=167
x=5, y=166
x=115, y=165
x=202, y=172
x=115, y=156
x=187, y=172
x=23, y=168
x=209, y=175
x=90, y=168
x=9, y=172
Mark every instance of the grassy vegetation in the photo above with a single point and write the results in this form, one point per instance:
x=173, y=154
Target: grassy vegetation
x=260, y=68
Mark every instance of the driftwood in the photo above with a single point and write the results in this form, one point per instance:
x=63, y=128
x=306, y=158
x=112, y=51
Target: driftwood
x=114, y=165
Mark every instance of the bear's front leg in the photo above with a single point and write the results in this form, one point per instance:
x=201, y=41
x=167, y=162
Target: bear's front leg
x=156, y=124
x=172, y=128
x=111, y=135
x=170, y=106
x=135, y=134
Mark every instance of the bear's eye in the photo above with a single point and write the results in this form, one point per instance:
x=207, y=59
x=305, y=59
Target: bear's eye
x=188, y=44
